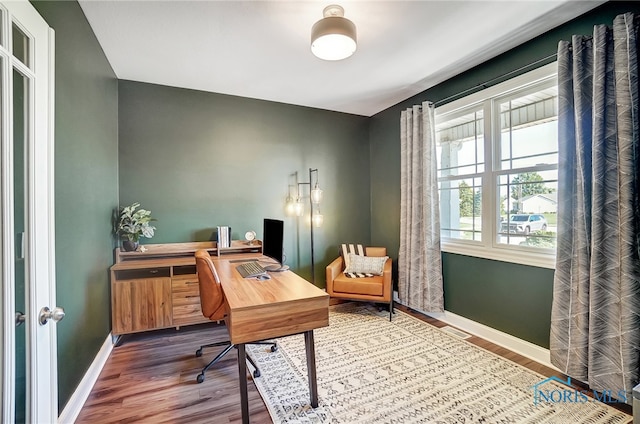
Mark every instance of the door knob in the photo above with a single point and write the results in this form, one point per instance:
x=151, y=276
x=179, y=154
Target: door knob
x=20, y=317
x=46, y=314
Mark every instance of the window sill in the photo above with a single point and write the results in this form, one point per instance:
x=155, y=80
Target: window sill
x=540, y=259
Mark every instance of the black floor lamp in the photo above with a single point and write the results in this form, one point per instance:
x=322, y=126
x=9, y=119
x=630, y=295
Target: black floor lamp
x=316, y=219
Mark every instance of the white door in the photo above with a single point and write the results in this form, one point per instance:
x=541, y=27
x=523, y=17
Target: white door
x=29, y=368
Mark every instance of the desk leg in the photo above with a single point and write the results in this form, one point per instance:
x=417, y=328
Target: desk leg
x=311, y=367
x=242, y=375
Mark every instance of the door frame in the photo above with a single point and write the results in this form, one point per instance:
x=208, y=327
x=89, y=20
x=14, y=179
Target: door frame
x=39, y=241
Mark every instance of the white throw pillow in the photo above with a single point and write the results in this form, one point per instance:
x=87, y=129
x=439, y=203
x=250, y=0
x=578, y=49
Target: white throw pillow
x=366, y=264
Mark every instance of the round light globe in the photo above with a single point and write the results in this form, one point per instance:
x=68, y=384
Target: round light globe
x=333, y=47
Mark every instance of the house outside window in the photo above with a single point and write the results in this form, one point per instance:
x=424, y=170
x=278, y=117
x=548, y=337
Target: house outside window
x=497, y=170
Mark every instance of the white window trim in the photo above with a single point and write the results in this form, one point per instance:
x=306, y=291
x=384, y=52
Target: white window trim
x=489, y=249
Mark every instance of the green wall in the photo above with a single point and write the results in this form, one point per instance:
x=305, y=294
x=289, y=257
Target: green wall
x=86, y=189
x=512, y=298
x=198, y=160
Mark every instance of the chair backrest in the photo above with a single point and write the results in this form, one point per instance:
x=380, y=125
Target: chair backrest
x=357, y=249
x=376, y=251
x=211, y=294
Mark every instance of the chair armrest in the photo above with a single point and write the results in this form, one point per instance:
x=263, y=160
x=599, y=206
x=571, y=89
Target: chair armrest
x=386, y=280
x=332, y=271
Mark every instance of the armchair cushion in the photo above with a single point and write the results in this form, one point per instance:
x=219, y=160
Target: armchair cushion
x=371, y=265
x=368, y=286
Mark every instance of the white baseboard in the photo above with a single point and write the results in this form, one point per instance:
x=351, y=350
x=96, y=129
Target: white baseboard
x=522, y=347
x=82, y=392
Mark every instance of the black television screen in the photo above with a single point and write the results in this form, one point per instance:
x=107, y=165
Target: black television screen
x=273, y=243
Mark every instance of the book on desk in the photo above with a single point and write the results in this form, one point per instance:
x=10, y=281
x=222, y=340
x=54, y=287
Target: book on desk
x=224, y=236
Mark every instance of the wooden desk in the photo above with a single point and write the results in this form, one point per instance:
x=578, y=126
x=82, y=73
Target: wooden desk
x=284, y=305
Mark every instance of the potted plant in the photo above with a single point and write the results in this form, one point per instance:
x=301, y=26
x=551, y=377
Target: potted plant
x=133, y=224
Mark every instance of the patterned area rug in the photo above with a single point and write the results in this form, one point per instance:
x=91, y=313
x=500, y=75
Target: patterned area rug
x=371, y=370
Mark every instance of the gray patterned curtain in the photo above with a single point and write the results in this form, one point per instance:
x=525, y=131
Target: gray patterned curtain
x=595, y=322
x=419, y=258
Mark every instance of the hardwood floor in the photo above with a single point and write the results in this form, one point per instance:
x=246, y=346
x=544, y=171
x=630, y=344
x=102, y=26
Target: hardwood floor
x=151, y=378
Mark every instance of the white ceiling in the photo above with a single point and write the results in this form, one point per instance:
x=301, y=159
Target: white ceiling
x=261, y=49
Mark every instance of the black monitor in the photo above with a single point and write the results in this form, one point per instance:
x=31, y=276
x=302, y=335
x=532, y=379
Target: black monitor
x=273, y=243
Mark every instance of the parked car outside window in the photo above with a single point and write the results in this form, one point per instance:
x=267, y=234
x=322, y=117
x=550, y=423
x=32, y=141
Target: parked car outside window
x=524, y=224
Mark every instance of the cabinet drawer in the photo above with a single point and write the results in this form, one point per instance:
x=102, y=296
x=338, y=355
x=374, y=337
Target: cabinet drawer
x=185, y=285
x=134, y=274
x=190, y=320
x=185, y=299
x=184, y=270
x=188, y=314
x=185, y=294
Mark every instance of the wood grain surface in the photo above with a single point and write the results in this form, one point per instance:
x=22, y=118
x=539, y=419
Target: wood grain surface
x=261, y=309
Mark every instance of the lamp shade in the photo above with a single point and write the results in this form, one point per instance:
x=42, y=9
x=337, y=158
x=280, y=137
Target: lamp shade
x=334, y=36
x=290, y=207
x=316, y=194
x=299, y=208
x=317, y=219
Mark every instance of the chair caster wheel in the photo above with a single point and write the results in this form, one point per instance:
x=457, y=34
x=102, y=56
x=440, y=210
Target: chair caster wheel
x=200, y=378
x=199, y=353
x=256, y=373
x=274, y=348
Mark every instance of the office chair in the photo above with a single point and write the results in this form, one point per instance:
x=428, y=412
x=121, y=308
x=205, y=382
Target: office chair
x=212, y=303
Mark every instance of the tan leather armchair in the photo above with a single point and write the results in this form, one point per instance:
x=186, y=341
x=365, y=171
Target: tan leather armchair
x=372, y=289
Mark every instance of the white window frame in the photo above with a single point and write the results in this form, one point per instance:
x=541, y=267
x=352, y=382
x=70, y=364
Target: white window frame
x=489, y=248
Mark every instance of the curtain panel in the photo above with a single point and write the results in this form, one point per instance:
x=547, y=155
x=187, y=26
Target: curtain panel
x=595, y=322
x=419, y=257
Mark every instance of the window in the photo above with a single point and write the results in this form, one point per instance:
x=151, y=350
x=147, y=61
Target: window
x=498, y=168
x=460, y=151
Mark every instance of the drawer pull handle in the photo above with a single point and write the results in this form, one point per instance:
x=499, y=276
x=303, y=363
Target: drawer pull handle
x=192, y=282
x=153, y=271
x=192, y=295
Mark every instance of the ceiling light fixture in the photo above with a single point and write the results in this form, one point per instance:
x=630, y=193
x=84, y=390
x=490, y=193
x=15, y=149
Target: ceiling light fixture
x=334, y=36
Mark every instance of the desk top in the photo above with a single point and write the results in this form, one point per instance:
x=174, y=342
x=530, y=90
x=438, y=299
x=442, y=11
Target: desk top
x=283, y=286
x=260, y=309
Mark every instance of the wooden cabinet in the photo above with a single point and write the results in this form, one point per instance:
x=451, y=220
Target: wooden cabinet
x=141, y=304
x=158, y=288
